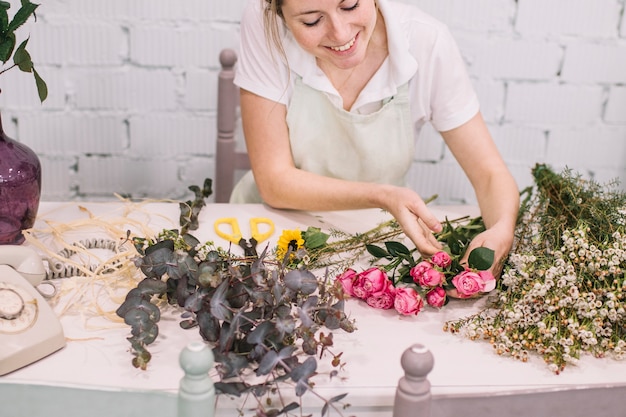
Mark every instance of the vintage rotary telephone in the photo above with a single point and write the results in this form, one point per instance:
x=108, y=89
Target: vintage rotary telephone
x=29, y=329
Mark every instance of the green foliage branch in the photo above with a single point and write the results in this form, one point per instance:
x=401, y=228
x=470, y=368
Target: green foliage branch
x=21, y=58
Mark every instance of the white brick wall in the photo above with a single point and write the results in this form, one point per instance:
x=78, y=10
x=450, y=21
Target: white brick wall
x=132, y=97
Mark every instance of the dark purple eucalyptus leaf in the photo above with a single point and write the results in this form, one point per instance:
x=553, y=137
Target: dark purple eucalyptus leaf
x=301, y=387
x=194, y=301
x=219, y=304
x=158, y=259
x=305, y=370
x=209, y=326
x=229, y=364
x=268, y=363
x=301, y=280
x=259, y=333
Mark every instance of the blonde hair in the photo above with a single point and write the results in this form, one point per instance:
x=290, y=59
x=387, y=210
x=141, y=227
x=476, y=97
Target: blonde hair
x=271, y=21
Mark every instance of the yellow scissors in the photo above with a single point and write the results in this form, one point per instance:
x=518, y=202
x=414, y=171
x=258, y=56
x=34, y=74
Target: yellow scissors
x=249, y=246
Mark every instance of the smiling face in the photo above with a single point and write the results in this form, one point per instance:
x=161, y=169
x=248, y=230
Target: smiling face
x=336, y=32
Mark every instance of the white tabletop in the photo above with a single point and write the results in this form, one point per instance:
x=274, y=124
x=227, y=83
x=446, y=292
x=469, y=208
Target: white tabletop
x=97, y=352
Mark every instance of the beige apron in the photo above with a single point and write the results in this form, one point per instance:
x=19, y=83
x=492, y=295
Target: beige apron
x=332, y=142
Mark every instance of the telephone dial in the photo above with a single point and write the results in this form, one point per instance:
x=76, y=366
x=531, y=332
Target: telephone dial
x=29, y=328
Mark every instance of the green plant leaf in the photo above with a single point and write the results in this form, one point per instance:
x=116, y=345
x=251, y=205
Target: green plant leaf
x=481, y=258
x=22, y=15
x=4, y=16
x=22, y=58
x=314, y=238
x=397, y=249
x=7, y=44
x=377, y=251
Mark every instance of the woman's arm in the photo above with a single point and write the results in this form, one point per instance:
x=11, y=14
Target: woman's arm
x=282, y=185
x=496, y=190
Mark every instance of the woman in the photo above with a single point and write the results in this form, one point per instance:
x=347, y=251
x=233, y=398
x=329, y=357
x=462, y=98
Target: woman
x=333, y=96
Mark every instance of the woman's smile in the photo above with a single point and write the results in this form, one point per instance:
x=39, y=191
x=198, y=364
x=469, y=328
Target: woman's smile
x=344, y=48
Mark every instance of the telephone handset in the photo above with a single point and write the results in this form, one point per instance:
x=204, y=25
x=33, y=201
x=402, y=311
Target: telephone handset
x=29, y=328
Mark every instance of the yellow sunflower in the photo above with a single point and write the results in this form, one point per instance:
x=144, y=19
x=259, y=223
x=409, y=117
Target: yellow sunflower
x=289, y=239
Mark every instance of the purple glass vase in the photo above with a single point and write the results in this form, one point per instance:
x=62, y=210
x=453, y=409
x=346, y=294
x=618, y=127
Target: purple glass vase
x=20, y=189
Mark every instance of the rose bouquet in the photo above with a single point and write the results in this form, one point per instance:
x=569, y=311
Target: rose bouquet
x=400, y=278
x=408, y=281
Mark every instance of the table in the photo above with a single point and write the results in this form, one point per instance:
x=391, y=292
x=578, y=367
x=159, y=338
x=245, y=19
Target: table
x=97, y=351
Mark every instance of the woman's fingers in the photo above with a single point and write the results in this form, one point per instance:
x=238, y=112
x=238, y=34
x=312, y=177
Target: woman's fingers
x=420, y=234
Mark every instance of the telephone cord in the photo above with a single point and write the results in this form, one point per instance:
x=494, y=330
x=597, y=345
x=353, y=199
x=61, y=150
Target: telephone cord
x=60, y=269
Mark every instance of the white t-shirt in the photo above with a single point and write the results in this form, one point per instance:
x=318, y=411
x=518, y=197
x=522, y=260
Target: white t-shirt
x=422, y=52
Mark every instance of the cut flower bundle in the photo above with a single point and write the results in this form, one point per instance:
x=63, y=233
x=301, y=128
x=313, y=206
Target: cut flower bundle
x=563, y=286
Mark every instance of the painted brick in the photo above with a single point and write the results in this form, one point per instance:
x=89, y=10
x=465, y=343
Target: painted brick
x=227, y=11
x=137, y=178
x=512, y=58
x=135, y=10
x=57, y=175
x=80, y=43
x=614, y=180
x=590, y=62
x=170, y=46
x=522, y=173
x=601, y=148
x=594, y=18
x=19, y=90
x=172, y=135
x=447, y=181
x=491, y=95
x=553, y=104
x=476, y=16
x=200, y=90
x=518, y=144
x=73, y=134
x=616, y=106
x=194, y=172
x=179, y=46
x=125, y=89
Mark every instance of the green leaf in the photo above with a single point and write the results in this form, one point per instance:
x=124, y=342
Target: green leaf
x=377, y=251
x=42, y=88
x=314, y=238
x=4, y=16
x=397, y=249
x=481, y=258
x=22, y=15
x=7, y=44
x=22, y=58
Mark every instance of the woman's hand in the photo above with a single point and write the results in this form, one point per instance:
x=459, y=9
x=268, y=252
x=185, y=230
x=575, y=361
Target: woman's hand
x=498, y=239
x=415, y=219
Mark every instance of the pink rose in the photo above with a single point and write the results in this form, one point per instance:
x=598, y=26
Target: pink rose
x=407, y=301
x=347, y=281
x=383, y=299
x=441, y=259
x=468, y=283
x=425, y=275
x=489, y=279
x=436, y=297
x=358, y=290
x=374, y=280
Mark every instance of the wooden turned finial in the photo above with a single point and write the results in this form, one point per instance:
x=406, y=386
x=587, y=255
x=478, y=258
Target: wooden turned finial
x=413, y=391
x=196, y=396
x=228, y=57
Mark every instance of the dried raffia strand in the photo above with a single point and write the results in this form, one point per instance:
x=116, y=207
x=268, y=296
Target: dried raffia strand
x=95, y=280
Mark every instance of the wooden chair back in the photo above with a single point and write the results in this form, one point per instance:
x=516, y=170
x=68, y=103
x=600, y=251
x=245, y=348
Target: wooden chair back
x=228, y=161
